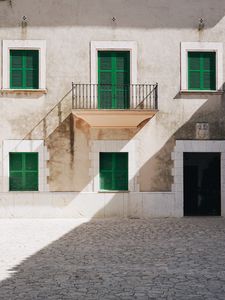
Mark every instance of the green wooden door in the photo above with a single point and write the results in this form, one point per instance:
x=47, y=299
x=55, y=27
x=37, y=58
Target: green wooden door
x=23, y=167
x=114, y=171
x=24, y=65
x=113, y=79
x=201, y=70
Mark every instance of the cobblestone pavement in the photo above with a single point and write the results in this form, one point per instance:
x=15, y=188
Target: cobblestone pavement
x=113, y=259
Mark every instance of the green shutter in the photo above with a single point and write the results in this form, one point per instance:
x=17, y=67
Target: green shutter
x=23, y=168
x=24, y=69
x=31, y=66
x=105, y=80
x=16, y=68
x=201, y=70
x=114, y=171
x=106, y=171
x=16, y=171
x=113, y=79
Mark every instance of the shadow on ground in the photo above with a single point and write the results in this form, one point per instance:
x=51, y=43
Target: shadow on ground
x=126, y=259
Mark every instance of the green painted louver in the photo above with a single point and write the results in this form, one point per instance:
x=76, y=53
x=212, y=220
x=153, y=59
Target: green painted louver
x=113, y=79
x=114, y=171
x=24, y=69
x=23, y=168
x=201, y=70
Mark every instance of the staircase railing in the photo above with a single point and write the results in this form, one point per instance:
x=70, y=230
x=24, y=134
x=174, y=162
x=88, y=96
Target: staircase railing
x=54, y=117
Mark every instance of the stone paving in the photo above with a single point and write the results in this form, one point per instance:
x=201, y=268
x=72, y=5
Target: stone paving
x=113, y=259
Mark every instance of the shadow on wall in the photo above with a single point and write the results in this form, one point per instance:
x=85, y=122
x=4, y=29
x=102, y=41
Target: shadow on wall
x=128, y=13
x=74, y=266
x=155, y=173
x=158, y=168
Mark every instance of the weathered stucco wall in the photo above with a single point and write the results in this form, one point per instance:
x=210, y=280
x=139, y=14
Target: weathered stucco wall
x=68, y=27
x=69, y=147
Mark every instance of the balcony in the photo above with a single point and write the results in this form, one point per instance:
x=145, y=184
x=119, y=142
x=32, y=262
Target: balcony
x=122, y=106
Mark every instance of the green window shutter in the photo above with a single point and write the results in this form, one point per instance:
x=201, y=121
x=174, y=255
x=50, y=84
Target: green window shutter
x=105, y=80
x=121, y=171
x=23, y=168
x=31, y=67
x=31, y=169
x=113, y=171
x=16, y=68
x=201, y=70
x=113, y=79
x=209, y=70
x=16, y=171
x=106, y=171
x=24, y=69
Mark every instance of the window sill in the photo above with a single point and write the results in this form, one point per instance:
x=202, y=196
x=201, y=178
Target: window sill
x=110, y=191
x=24, y=192
x=202, y=92
x=24, y=92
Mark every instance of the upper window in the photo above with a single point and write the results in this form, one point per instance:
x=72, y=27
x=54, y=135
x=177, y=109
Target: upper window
x=114, y=171
x=24, y=65
x=202, y=66
x=201, y=70
x=24, y=69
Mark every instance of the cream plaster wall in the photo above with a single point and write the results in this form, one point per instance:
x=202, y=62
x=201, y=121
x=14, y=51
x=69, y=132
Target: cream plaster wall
x=87, y=205
x=68, y=27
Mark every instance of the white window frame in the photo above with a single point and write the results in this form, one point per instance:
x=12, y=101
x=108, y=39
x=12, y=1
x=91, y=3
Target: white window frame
x=8, y=45
x=201, y=47
x=130, y=46
x=26, y=146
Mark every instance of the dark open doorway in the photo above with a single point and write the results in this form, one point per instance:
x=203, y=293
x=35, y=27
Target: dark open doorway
x=202, y=184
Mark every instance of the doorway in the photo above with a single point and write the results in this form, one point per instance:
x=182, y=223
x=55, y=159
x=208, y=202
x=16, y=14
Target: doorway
x=202, y=184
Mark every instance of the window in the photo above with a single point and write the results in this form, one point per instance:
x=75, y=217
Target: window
x=113, y=79
x=24, y=69
x=23, y=169
x=24, y=66
x=201, y=70
x=124, y=47
x=114, y=171
x=202, y=67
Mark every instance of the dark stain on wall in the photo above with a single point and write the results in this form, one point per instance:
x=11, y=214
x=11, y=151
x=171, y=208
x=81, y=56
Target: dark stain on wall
x=61, y=165
x=155, y=174
x=113, y=133
x=71, y=119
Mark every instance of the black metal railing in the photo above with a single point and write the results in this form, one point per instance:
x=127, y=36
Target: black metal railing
x=107, y=96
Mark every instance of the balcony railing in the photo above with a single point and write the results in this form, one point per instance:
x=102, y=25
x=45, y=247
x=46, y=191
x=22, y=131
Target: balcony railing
x=107, y=96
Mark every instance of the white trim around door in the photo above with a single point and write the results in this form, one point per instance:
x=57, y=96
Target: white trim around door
x=177, y=156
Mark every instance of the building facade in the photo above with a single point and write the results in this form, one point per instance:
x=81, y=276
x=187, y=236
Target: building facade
x=112, y=108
